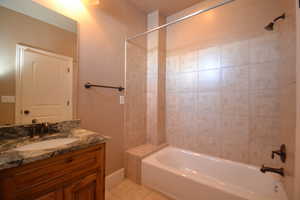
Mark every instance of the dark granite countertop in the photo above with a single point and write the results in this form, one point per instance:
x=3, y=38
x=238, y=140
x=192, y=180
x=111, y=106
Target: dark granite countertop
x=11, y=156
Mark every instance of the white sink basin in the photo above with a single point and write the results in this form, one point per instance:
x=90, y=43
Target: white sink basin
x=46, y=145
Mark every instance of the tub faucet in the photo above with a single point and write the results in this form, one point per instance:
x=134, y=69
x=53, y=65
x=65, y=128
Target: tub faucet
x=281, y=153
x=273, y=170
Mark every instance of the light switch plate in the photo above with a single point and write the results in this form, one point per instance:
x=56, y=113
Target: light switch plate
x=122, y=100
x=8, y=99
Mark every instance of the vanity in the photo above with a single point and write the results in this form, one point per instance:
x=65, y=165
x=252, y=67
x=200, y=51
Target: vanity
x=64, y=165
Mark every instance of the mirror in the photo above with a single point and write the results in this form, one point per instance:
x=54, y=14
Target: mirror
x=38, y=64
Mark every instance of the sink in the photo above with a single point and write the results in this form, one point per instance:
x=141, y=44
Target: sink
x=47, y=145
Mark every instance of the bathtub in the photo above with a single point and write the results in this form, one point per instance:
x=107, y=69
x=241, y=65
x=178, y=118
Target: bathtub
x=184, y=175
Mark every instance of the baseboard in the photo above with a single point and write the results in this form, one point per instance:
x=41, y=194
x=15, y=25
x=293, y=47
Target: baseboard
x=114, y=179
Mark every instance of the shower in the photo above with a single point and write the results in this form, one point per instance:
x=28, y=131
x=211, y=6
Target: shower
x=270, y=27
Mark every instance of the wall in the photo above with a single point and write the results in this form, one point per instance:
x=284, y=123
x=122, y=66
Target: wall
x=17, y=28
x=145, y=83
x=136, y=83
x=287, y=91
x=102, y=61
x=156, y=73
x=297, y=139
x=102, y=33
x=222, y=82
x=231, y=84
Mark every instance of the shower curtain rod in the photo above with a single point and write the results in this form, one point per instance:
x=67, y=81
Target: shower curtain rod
x=180, y=19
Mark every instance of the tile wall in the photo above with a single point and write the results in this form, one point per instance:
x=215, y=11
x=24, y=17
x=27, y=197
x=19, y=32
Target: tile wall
x=224, y=100
x=136, y=94
x=231, y=85
x=287, y=97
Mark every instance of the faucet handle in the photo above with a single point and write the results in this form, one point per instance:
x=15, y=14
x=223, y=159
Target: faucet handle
x=45, y=127
x=281, y=152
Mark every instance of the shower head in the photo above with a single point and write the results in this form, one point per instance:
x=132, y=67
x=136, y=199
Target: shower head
x=270, y=27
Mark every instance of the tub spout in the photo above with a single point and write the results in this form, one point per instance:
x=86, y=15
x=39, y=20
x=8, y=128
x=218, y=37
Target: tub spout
x=273, y=170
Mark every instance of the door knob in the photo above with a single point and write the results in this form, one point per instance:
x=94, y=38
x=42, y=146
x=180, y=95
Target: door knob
x=26, y=112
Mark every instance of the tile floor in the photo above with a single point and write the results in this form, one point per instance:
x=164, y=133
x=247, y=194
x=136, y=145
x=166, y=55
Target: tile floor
x=128, y=190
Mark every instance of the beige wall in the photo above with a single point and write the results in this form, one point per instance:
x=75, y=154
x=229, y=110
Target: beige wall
x=156, y=73
x=287, y=97
x=102, y=61
x=17, y=28
x=145, y=94
x=297, y=147
x=102, y=33
x=135, y=106
x=231, y=84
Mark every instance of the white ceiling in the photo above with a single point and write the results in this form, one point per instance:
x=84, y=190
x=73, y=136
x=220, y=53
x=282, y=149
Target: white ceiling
x=166, y=7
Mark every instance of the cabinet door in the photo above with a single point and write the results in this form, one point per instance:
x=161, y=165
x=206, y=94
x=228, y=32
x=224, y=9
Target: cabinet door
x=57, y=195
x=84, y=189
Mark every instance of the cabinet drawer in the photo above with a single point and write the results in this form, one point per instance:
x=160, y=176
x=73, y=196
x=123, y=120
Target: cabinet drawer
x=55, y=171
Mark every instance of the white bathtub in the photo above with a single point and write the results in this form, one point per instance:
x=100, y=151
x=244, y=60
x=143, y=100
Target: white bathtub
x=184, y=175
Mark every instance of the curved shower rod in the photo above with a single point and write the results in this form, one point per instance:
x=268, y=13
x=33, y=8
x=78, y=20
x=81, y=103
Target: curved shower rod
x=181, y=19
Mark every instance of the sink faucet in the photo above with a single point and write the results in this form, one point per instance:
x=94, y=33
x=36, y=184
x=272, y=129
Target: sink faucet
x=279, y=171
x=45, y=128
x=39, y=129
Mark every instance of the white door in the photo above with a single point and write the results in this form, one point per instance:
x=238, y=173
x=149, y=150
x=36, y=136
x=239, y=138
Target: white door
x=45, y=93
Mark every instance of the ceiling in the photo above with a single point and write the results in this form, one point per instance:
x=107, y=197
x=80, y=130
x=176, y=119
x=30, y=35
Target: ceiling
x=166, y=7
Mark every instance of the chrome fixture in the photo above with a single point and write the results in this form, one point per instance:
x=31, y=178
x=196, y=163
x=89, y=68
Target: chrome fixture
x=279, y=171
x=181, y=19
x=281, y=153
x=270, y=27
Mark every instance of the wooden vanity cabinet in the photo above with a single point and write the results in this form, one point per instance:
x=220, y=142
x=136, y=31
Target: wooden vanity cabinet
x=79, y=175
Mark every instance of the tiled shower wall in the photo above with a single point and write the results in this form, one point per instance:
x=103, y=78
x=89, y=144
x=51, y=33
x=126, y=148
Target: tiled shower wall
x=223, y=82
x=136, y=94
x=156, y=73
x=145, y=87
x=287, y=72
x=230, y=85
x=224, y=100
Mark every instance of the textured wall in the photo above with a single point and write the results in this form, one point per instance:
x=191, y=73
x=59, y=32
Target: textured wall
x=223, y=82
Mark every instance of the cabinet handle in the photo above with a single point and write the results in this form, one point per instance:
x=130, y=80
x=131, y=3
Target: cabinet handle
x=26, y=112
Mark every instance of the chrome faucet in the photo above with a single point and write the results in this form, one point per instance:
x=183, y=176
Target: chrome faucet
x=279, y=171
